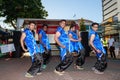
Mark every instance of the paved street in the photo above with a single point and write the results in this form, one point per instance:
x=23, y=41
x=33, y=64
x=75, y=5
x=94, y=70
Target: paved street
x=15, y=69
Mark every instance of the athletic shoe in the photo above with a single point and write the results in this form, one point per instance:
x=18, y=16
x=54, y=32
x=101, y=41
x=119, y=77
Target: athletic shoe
x=63, y=72
x=79, y=67
x=39, y=73
x=98, y=72
x=93, y=68
x=57, y=72
x=44, y=66
x=28, y=75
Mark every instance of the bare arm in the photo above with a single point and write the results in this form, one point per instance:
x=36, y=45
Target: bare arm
x=71, y=38
x=92, y=45
x=57, y=35
x=79, y=37
x=22, y=41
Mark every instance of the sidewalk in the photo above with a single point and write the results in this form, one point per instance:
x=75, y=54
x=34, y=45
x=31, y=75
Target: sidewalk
x=15, y=69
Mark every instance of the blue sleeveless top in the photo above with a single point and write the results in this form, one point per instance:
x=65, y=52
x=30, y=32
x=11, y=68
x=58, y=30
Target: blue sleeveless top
x=74, y=36
x=30, y=42
x=76, y=45
x=45, y=40
x=64, y=40
x=97, y=42
x=63, y=37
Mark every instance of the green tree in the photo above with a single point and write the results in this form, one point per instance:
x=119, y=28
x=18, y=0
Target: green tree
x=82, y=25
x=13, y=9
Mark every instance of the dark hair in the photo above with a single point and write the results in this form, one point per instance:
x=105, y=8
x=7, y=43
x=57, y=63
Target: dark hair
x=94, y=24
x=33, y=33
x=63, y=20
x=44, y=25
x=31, y=22
x=72, y=25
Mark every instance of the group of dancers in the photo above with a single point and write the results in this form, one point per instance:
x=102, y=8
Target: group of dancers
x=68, y=43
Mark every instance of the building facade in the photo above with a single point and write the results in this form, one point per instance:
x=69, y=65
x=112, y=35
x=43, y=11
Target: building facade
x=111, y=18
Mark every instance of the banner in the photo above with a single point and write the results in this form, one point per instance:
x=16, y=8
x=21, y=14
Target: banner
x=7, y=48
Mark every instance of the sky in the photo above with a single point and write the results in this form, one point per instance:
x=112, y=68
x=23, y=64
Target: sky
x=74, y=9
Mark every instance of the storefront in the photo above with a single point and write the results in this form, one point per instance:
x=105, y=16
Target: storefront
x=112, y=28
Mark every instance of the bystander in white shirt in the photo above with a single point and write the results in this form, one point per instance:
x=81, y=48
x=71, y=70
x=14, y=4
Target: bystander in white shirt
x=110, y=42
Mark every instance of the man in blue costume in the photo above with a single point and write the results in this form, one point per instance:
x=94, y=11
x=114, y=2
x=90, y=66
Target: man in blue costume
x=45, y=47
x=96, y=45
x=32, y=47
x=75, y=39
x=62, y=39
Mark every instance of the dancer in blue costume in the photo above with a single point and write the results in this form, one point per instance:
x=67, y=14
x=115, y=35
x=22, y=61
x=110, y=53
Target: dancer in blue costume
x=96, y=45
x=30, y=42
x=75, y=39
x=45, y=47
x=62, y=39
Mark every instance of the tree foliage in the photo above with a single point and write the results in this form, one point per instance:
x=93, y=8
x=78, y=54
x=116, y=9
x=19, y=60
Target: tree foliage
x=13, y=9
x=82, y=25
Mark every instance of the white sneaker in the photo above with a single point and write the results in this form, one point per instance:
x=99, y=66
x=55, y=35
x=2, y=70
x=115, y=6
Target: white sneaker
x=79, y=67
x=98, y=72
x=93, y=68
x=39, y=73
x=57, y=72
x=28, y=75
x=63, y=72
